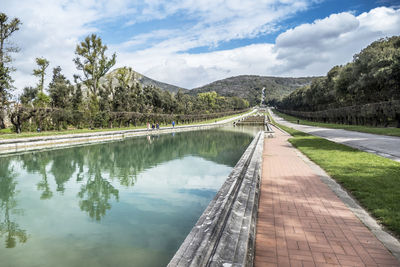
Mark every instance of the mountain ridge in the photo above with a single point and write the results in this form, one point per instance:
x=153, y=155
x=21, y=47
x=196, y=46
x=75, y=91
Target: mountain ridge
x=136, y=77
x=248, y=87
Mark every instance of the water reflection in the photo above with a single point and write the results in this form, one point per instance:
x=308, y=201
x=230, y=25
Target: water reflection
x=8, y=207
x=124, y=160
x=94, y=178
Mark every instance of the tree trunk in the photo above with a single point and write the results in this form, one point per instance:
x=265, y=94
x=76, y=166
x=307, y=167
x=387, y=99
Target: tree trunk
x=16, y=121
x=2, y=124
x=398, y=120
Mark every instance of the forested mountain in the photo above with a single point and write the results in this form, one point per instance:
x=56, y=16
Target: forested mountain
x=250, y=87
x=146, y=81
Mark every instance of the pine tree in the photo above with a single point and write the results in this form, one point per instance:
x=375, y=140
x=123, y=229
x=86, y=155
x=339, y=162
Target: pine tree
x=92, y=61
x=6, y=30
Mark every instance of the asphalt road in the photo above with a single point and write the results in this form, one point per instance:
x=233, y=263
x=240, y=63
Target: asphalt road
x=385, y=146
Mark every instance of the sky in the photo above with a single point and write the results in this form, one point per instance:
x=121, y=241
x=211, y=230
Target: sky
x=190, y=43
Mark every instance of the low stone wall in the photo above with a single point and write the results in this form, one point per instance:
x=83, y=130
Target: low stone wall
x=37, y=143
x=58, y=141
x=224, y=235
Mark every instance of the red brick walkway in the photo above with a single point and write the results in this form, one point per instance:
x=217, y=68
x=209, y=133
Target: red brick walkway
x=303, y=223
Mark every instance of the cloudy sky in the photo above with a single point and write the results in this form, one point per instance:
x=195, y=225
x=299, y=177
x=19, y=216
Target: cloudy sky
x=190, y=43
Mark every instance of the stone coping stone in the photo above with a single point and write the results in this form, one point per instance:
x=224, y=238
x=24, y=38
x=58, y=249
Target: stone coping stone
x=78, y=139
x=224, y=235
x=9, y=146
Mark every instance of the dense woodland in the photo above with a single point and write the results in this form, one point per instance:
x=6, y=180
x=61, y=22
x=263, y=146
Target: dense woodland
x=365, y=91
x=95, y=99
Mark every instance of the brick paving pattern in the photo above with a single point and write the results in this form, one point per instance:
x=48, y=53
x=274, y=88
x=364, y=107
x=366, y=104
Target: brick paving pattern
x=301, y=222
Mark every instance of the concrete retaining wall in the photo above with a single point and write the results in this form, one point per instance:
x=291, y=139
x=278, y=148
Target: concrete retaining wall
x=224, y=235
x=58, y=141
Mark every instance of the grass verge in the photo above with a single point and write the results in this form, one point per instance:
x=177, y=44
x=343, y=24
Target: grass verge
x=8, y=134
x=358, y=128
x=373, y=180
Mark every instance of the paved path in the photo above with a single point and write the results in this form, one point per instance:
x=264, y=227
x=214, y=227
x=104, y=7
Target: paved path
x=301, y=222
x=386, y=146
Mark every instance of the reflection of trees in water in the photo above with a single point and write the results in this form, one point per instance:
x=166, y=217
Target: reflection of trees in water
x=95, y=196
x=123, y=161
x=63, y=165
x=8, y=204
x=36, y=163
x=96, y=193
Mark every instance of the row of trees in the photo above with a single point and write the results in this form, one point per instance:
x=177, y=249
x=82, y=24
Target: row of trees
x=95, y=98
x=372, y=77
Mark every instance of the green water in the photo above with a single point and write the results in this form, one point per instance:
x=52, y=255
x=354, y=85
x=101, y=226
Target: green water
x=127, y=203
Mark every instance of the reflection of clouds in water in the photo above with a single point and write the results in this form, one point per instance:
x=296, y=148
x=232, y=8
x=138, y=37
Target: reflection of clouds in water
x=162, y=186
x=197, y=173
x=173, y=187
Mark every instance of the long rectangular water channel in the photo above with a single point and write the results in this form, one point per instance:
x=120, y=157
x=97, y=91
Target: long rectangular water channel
x=126, y=203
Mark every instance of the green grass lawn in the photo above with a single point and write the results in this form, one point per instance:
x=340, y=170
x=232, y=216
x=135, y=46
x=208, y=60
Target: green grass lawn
x=373, y=180
x=8, y=134
x=366, y=129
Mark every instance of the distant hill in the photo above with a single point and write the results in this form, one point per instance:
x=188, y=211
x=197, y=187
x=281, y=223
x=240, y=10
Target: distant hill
x=250, y=87
x=145, y=81
x=163, y=86
x=245, y=86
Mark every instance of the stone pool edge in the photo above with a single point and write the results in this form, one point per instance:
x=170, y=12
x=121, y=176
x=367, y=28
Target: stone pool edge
x=11, y=146
x=224, y=235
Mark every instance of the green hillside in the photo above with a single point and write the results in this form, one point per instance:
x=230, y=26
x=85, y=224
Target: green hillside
x=250, y=87
x=144, y=81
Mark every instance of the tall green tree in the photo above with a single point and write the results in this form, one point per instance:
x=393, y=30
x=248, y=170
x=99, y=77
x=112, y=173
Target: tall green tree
x=92, y=61
x=208, y=100
x=7, y=28
x=28, y=95
x=77, y=103
x=42, y=100
x=60, y=90
x=77, y=96
x=40, y=72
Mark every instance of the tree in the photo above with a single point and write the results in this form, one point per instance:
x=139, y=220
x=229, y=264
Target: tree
x=6, y=30
x=28, y=95
x=77, y=96
x=76, y=103
x=208, y=99
x=60, y=90
x=42, y=100
x=41, y=71
x=19, y=115
x=92, y=61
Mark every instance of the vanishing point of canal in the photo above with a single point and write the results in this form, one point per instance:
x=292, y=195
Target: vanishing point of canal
x=124, y=203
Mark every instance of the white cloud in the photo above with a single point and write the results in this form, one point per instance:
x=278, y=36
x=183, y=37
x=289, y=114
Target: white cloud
x=319, y=32
x=53, y=28
x=216, y=21
x=312, y=49
x=306, y=50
